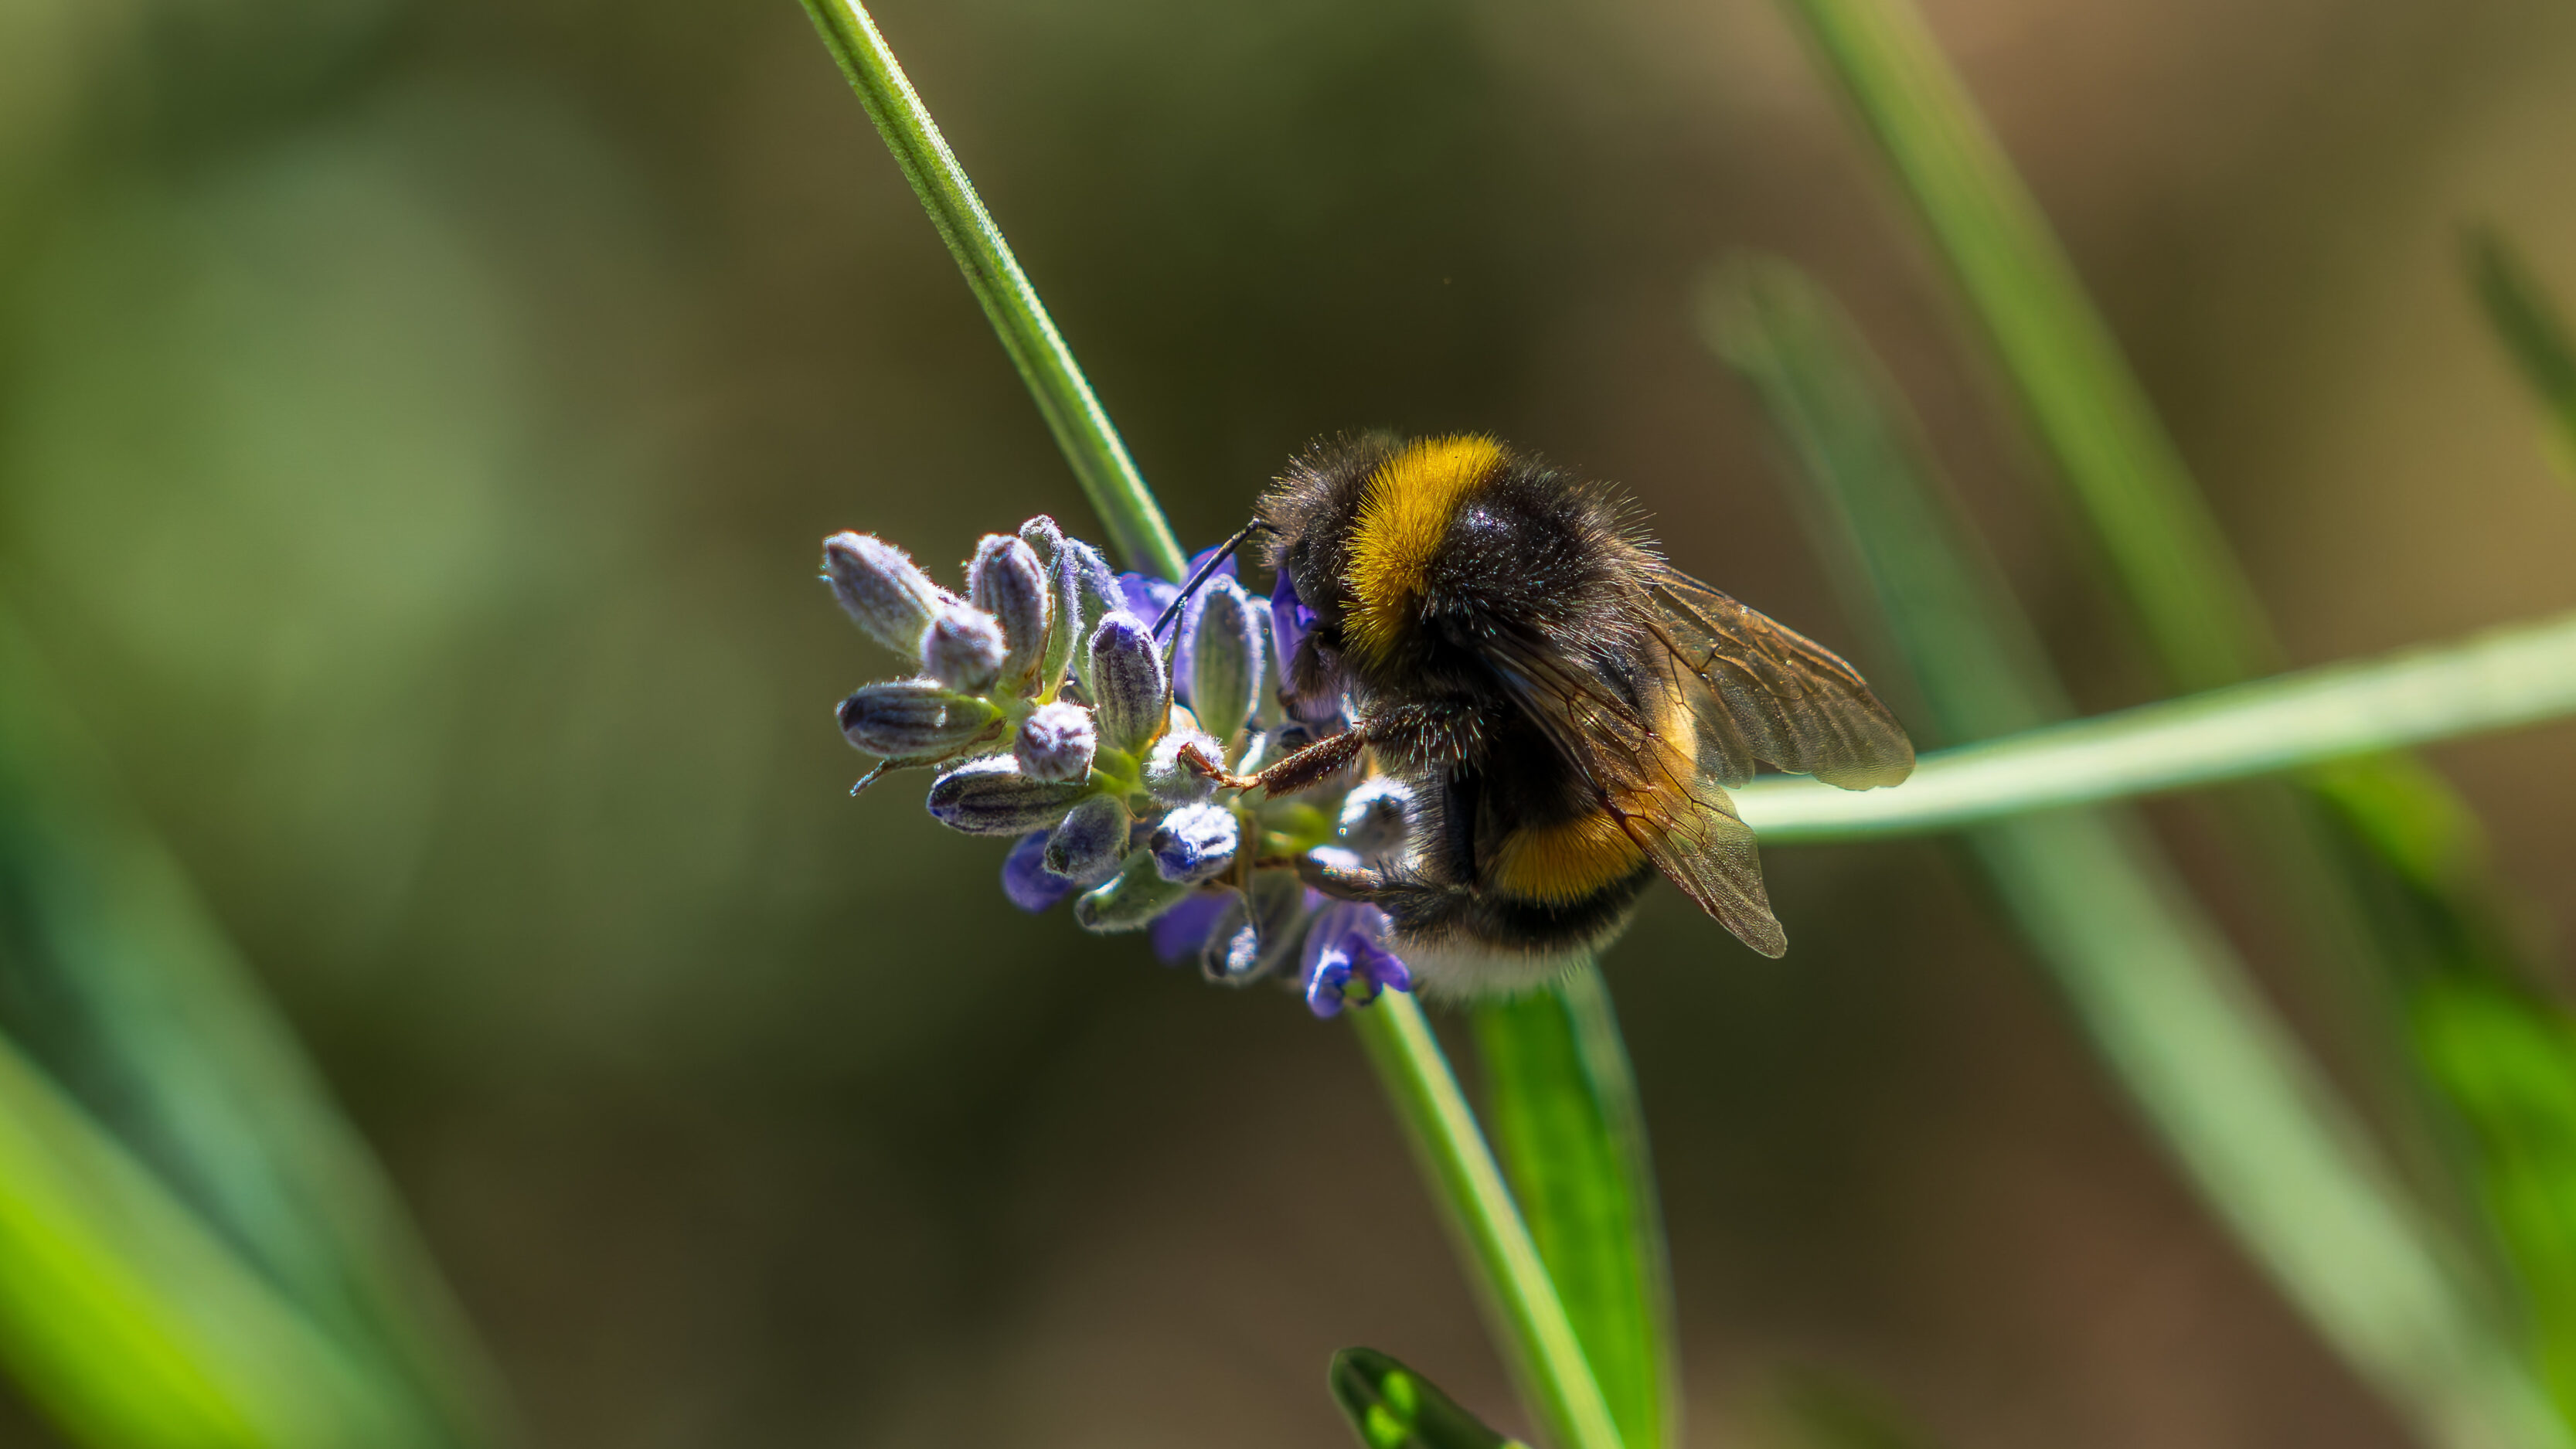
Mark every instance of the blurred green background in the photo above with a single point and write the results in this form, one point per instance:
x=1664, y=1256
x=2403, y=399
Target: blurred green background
x=416, y=427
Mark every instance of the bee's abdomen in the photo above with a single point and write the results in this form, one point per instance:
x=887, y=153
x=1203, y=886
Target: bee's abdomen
x=1562, y=862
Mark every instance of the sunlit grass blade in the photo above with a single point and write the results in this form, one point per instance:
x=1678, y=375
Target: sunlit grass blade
x=1572, y=1138
x=1082, y=429
x=137, y=1328
x=1529, y=1321
x=1520, y=1298
x=1392, y=1407
x=2495, y=680
x=2534, y=334
x=121, y=989
x=2150, y=978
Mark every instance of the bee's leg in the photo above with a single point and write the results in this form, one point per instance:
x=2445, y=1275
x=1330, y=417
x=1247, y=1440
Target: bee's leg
x=1419, y=734
x=1288, y=775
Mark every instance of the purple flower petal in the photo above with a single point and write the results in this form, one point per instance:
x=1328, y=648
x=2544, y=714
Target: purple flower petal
x=1290, y=620
x=1025, y=878
x=1147, y=598
x=1182, y=931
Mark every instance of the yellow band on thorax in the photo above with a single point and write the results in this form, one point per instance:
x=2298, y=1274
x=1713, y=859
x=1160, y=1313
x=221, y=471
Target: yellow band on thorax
x=1405, y=510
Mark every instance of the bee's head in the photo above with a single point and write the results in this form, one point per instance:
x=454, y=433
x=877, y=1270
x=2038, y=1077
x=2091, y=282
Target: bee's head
x=1307, y=520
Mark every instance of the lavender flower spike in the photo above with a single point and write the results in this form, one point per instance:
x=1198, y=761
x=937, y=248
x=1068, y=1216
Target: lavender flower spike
x=913, y=717
x=881, y=588
x=962, y=648
x=1196, y=842
x=1056, y=742
x=991, y=797
x=1086, y=848
x=1221, y=645
x=1007, y=582
x=1127, y=687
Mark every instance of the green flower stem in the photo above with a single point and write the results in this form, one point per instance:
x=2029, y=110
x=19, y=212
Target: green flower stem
x=2507, y=677
x=1519, y=1294
x=1417, y=1077
x=1100, y=462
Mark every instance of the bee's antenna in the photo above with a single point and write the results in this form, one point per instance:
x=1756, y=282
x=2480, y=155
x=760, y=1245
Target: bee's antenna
x=1206, y=570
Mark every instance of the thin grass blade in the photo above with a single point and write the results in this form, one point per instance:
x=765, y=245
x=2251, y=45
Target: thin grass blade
x=2149, y=977
x=2497, y=680
x=1571, y=1134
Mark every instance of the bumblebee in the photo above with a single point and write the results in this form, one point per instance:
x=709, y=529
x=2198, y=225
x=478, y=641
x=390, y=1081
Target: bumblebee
x=1565, y=707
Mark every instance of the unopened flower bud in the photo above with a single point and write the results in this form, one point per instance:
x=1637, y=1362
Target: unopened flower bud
x=1168, y=777
x=962, y=648
x=1375, y=817
x=1086, y=592
x=913, y=717
x=1196, y=842
x=1092, y=839
x=1055, y=742
x=879, y=586
x=1007, y=582
x=1025, y=878
x=1128, y=690
x=1042, y=535
x=1220, y=656
x=1131, y=900
x=991, y=797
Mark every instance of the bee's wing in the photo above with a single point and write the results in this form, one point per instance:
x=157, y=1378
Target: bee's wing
x=1770, y=693
x=1663, y=800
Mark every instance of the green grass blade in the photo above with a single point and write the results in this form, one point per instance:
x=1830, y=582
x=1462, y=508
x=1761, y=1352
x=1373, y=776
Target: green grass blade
x=115, y=984
x=1519, y=1296
x=1082, y=429
x=2495, y=680
x=2150, y=978
x=1567, y=1125
x=133, y=1326
x=1530, y=1322
x=2534, y=334
x=1392, y=1407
